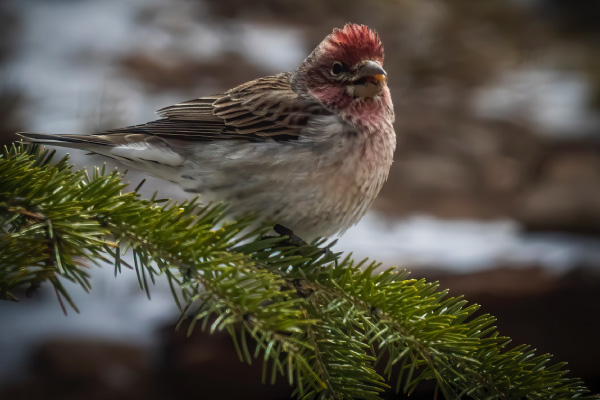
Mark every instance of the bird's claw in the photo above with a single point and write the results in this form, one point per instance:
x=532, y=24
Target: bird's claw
x=292, y=239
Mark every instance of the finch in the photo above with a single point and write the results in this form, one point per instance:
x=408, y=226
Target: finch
x=307, y=149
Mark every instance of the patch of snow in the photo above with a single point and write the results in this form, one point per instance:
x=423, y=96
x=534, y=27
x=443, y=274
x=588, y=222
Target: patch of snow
x=557, y=102
x=115, y=309
x=424, y=241
x=66, y=63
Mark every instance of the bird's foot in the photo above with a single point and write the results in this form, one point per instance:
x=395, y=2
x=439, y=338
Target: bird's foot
x=292, y=239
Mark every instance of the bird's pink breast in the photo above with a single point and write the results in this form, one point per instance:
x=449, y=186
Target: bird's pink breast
x=367, y=112
x=370, y=113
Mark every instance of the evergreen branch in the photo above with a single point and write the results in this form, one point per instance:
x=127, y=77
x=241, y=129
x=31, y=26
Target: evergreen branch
x=322, y=321
x=429, y=336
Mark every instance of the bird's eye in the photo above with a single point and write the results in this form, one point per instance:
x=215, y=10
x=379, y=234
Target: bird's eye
x=337, y=68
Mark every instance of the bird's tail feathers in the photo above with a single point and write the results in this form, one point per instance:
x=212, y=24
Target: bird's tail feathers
x=74, y=141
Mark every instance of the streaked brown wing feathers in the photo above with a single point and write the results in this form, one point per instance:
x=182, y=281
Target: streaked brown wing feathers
x=193, y=110
x=265, y=107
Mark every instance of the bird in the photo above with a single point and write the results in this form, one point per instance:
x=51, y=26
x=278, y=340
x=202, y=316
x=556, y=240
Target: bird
x=308, y=150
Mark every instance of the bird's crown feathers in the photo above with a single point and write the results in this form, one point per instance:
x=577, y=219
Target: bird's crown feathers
x=354, y=43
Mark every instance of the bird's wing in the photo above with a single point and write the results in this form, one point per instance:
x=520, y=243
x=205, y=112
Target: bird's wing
x=257, y=110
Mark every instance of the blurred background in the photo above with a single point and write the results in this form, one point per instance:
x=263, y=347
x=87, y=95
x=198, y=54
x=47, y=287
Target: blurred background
x=495, y=189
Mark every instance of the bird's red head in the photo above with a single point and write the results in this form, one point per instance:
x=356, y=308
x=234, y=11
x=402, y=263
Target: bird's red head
x=354, y=43
x=346, y=70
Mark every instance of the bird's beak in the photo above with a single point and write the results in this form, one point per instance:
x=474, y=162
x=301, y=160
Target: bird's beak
x=372, y=69
x=369, y=80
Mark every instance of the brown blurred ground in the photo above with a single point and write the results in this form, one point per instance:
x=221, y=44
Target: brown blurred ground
x=451, y=162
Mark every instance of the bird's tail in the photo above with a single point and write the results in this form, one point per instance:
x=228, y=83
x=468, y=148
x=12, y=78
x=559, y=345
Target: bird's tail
x=156, y=158
x=73, y=141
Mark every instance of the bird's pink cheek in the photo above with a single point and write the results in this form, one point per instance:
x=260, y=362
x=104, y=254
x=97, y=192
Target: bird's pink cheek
x=332, y=96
